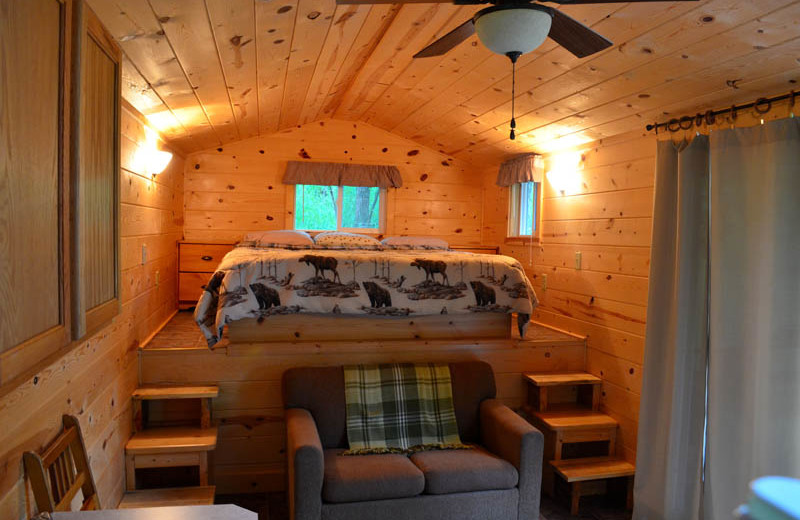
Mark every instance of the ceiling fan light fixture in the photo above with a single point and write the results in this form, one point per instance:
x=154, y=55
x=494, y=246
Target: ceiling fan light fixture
x=513, y=29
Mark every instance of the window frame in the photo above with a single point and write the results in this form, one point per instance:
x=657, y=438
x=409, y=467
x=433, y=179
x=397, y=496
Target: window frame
x=514, y=204
x=77, y=23
x=382, y=202
x=88, y=320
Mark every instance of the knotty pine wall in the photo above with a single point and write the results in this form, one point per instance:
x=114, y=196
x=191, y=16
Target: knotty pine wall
x=237, y=188
x=95, y=379
x=608, y=218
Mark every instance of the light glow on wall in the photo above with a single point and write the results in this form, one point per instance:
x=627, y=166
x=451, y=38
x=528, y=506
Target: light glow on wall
x=149, y=158
x=565, y=174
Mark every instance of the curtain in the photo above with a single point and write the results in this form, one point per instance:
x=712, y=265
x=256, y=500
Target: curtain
x=754, y=356
x=340, y=174
x=525, y=168
x=670, y=438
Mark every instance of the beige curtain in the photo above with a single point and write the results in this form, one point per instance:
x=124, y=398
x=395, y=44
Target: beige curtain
x=525, y=168
x=341, y=174
x=754, y=356
x=670, y=440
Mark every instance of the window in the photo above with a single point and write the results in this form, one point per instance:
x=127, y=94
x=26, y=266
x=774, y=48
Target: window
x=523, y=215
x=338, y=208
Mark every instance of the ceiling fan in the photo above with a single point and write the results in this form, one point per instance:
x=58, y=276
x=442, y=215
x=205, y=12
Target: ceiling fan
x=515, y=27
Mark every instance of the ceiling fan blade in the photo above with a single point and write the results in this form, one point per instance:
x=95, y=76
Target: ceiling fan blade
x=448, y=41
x=370, y=2
x=576, y=37
x=568, y=2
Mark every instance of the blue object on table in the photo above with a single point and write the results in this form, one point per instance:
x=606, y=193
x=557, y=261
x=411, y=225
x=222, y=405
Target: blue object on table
x=774, y=498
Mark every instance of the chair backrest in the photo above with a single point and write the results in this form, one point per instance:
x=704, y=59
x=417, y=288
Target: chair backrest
x=61, y=471
x=320, y=390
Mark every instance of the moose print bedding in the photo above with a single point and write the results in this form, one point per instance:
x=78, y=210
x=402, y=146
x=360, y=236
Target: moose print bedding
x=259, y=283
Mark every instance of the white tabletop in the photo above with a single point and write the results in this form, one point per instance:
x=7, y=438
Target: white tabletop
x=216, y=512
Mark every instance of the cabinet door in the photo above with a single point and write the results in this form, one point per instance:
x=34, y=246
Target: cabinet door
x=97, y=238
x=34, y=314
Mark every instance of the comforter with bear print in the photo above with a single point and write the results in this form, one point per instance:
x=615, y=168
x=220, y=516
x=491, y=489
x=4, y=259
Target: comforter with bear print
x=253, y=282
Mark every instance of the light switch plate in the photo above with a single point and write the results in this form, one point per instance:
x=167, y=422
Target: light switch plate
x=144, y=254
x=578, y=259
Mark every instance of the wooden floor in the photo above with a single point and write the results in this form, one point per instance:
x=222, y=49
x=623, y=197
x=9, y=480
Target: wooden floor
x=181, y=333
x=272, y=506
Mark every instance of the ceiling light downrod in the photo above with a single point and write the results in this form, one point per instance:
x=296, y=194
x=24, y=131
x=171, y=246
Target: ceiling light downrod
x=513, y=56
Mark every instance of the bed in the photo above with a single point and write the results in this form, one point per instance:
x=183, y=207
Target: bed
x=271, y=293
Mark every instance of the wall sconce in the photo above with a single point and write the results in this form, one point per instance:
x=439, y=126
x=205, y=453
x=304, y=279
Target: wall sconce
x=156, y=161
x=564, y=174
x=152, y=160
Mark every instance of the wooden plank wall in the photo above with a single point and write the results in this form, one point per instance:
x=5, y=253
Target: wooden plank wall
x=237, y=188
x=250, y=454
x=95, y=379
x=608, y=218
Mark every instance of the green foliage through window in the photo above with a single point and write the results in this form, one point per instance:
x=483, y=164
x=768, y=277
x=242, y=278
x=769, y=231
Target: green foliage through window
x=327, y=208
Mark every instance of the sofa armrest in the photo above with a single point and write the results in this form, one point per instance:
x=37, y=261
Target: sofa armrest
x=306, y=465
x=511, y=437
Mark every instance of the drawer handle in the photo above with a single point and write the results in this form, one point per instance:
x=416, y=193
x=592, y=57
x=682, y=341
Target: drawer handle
x=206, y=258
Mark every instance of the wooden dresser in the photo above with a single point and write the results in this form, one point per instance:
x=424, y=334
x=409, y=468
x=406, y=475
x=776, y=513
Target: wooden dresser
x=196, y=263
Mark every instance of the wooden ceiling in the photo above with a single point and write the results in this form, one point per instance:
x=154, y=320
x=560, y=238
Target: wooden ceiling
x=210, y=72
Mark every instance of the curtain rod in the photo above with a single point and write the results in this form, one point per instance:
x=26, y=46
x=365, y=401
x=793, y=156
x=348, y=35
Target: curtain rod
x=761, y=105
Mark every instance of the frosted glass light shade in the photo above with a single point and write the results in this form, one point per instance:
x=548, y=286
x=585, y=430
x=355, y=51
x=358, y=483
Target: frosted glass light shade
x=513, y=30
x=157, y=161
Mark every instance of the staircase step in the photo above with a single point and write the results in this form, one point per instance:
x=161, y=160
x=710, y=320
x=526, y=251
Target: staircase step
x=152, y=392
x=185, y=496
x=570, y=378
x=563, y=420
x=172, y=440
x=580, y=470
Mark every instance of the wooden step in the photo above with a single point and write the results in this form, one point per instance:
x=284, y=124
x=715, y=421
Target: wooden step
x=580, y=470
x=185, y=496
x=152, y=392
x=571, y=378
x=565, y=420
x=545, y=390
x=172, y=440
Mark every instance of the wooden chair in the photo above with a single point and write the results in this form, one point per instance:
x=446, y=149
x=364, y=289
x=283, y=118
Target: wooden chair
x=61, y=471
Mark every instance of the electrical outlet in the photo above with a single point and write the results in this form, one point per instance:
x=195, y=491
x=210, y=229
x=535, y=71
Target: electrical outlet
x=158, y=278
x=544, y=282
x=144, y=254
x=578, y=259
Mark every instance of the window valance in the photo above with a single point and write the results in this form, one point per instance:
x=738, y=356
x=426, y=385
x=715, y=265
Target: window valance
x=525, y=168
x=338, y=174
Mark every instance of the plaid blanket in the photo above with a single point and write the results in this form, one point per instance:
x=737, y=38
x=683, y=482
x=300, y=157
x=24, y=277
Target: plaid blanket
x=400, y=408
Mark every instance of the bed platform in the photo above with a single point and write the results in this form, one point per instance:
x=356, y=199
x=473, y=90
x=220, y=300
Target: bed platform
x=306, y=327
x=250, y=449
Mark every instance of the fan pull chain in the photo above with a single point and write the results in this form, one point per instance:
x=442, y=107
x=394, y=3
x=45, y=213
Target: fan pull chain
x=513, y=57
x=513, y=97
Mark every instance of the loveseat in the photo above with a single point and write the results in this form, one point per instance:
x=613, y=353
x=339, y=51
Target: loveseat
x=500, y=479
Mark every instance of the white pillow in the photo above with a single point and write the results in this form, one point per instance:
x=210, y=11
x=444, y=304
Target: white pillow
x=342, y=240
x=415, y=243
x=281, y=238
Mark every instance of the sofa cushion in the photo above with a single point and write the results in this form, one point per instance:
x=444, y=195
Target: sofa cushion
x=369, y=477
x=473, y=381
x=462, y=471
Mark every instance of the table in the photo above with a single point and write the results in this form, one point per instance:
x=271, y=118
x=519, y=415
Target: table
x=215, y=512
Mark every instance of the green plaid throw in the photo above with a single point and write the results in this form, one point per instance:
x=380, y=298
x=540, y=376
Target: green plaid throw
x=399, y=408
